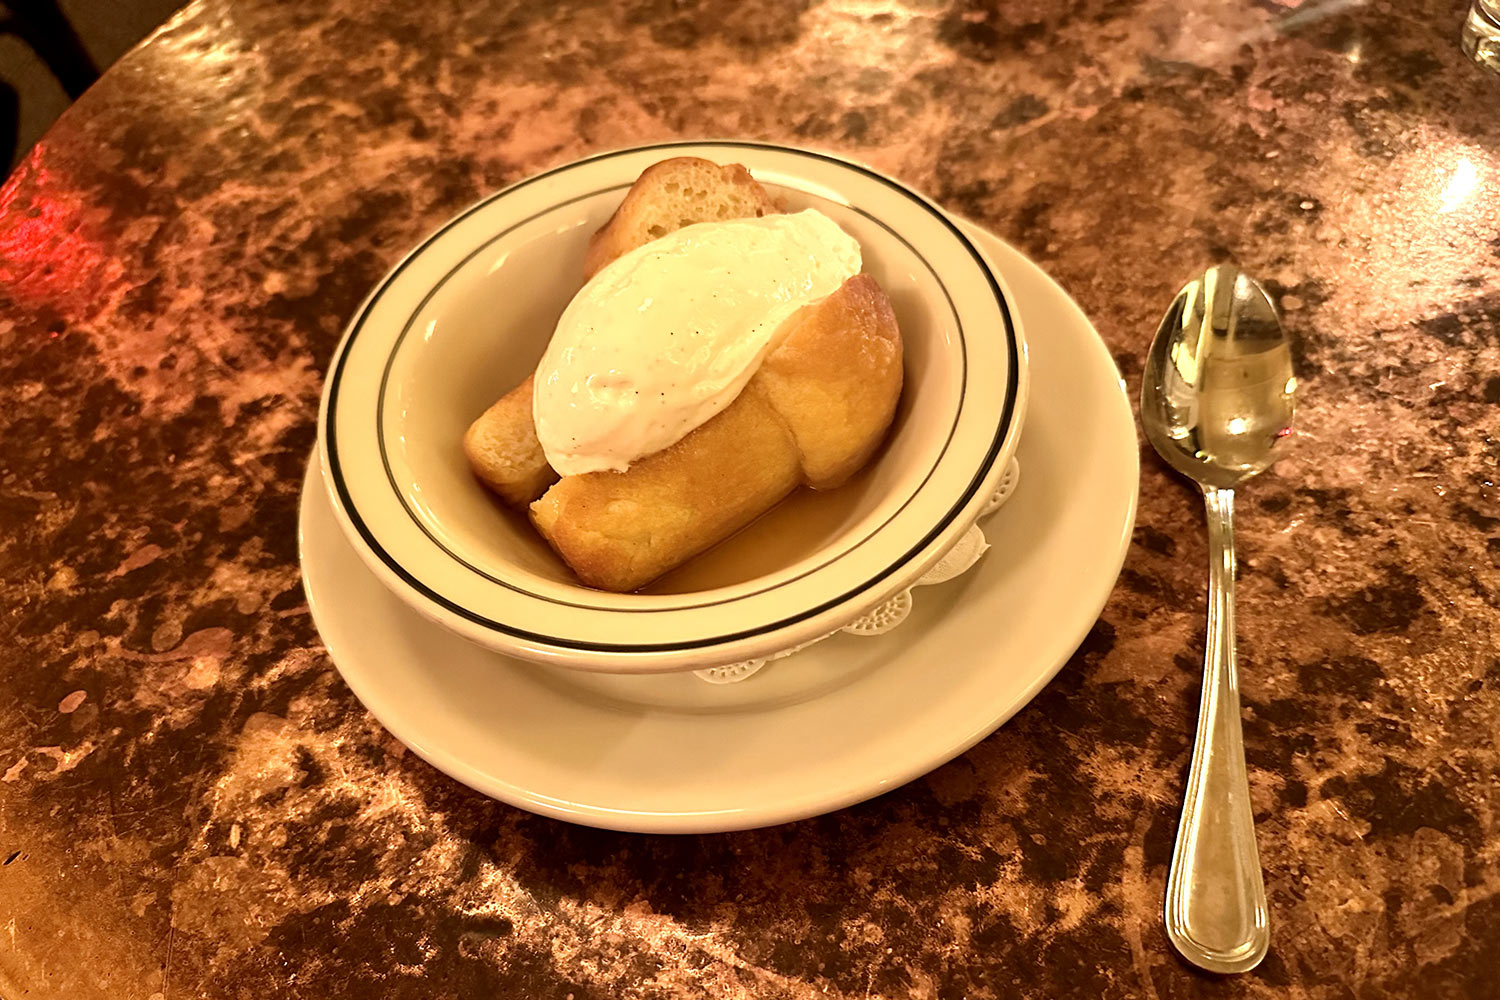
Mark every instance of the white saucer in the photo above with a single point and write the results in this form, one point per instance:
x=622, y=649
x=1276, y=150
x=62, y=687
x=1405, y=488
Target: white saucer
x=839, y=723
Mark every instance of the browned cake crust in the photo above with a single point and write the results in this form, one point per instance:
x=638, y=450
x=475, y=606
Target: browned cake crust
x=835, y=380
x=503, y=450
x=620, y=530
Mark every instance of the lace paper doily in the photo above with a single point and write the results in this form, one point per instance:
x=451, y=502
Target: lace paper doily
x=957, y=561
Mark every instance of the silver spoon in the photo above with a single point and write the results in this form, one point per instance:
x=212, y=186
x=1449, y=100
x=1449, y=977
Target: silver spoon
x=1216, y=400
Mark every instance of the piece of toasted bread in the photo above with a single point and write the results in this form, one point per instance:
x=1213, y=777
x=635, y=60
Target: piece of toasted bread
x=501, y=444
x=503, y=450
x=815, y=411
x=672, y=194
x=621, y=530
x=835, y=379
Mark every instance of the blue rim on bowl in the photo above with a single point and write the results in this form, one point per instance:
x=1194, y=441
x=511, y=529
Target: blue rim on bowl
x=381, y=507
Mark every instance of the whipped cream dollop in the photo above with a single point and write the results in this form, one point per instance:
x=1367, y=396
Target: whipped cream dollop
x=667, y=335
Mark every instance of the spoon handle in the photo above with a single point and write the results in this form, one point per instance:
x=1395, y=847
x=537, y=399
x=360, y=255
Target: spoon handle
x=1216, y=902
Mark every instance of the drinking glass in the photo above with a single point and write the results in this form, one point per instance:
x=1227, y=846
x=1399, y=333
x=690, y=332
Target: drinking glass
x=1481, y=34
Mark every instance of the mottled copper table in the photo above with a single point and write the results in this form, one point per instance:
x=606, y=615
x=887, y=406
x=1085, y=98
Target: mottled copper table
x=193, y=805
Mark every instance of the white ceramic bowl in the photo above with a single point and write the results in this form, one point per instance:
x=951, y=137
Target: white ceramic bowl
x=465, y=317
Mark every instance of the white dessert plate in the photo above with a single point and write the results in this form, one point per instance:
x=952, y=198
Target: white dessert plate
x=846, y=720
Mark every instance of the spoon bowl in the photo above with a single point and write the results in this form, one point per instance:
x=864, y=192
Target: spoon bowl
x=1219, y=391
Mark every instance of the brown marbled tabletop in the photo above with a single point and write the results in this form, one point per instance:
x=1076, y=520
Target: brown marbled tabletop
x=192, y=804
